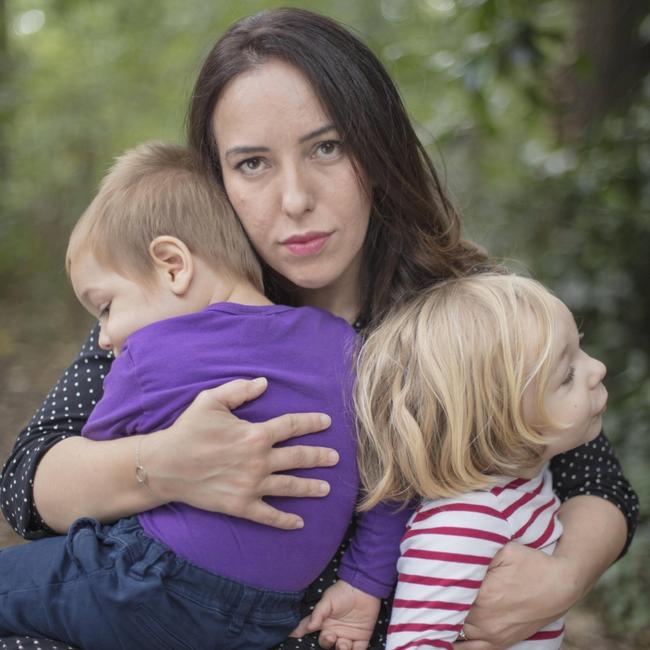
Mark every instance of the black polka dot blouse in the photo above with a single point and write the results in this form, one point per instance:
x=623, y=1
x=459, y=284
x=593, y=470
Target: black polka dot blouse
x=590, y=469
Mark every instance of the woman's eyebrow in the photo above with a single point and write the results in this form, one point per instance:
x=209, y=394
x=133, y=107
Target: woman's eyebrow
x=239, y=150
x=245, y=150
x=317, y=132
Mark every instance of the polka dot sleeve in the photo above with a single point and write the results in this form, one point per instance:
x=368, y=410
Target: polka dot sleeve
x=63, y=413
x=594, y=469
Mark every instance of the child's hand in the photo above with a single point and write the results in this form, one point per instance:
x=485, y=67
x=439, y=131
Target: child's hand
x=346, y=617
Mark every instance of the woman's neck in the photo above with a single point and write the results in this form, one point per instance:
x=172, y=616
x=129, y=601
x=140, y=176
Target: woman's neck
x=335, y=304
x=343, y=298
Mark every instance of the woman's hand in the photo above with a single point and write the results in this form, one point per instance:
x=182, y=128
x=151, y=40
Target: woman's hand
x=212, y=460
x=524, y=590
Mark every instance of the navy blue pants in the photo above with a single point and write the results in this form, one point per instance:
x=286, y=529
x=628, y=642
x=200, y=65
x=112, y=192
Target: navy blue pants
x=113, y=587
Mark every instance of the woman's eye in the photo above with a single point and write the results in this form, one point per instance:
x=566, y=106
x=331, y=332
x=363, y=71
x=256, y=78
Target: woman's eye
x=104, y=311
x=250, y=165
x=329, y=148
x=569, y=376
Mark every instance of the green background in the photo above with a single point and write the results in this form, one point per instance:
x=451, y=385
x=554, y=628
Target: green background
x=537, y=112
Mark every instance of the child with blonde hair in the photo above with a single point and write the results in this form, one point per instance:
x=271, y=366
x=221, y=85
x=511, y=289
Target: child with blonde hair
x=160, y=258
x=463, y=395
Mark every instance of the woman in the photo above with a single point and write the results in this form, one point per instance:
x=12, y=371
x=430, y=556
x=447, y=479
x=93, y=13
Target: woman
x=306, y=132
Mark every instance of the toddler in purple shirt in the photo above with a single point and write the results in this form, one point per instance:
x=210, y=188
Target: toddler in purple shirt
x=160, y=258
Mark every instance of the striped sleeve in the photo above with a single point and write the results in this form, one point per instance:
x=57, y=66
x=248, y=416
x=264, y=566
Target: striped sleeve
x=445, y=554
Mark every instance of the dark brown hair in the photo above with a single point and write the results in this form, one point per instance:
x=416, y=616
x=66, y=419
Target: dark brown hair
x=414, y=236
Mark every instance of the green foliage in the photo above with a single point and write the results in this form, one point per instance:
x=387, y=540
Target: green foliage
x=601, y=209
x=479, y=78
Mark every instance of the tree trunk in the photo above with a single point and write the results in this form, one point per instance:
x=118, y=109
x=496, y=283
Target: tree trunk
x=611, y=61
x=5, y=99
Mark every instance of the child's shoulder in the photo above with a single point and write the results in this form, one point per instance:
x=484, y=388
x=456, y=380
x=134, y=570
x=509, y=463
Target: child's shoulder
x=312, y=317
x=162, y=331
x=481, y=503
x=320, y=317
x=317, y=328
x=464, y=521
x=225, y=328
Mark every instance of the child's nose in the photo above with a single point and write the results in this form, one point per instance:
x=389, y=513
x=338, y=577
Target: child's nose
x=104, y=341
x=598, y=371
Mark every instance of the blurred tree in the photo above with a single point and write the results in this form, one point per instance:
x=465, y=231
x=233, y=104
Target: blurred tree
x=611, y=62
x=5, y=102
x=542, y=110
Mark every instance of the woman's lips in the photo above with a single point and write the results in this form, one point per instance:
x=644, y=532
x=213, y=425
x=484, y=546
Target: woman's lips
x=308, y=244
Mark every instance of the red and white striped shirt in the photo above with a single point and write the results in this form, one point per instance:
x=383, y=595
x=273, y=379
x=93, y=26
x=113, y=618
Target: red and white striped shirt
x=446, y=551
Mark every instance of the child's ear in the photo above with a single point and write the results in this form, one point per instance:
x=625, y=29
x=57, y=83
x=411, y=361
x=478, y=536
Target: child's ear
x=173, y=262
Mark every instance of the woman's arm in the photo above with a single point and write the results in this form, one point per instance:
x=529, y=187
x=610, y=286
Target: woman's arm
x=525, y=589
x=62, y=416
x=593, y=469
x=207, y=458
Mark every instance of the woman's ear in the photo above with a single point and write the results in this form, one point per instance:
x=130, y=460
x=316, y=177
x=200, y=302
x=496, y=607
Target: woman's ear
x=174, y=263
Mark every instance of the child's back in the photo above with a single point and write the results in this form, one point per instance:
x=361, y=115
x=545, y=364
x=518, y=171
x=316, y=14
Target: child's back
x=491, y=384
x=448, y=546
x=306, y=356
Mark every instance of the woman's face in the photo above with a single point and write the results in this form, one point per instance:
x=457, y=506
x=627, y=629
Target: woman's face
x=290, y=180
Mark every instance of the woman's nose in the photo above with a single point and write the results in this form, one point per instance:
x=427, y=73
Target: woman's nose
x=297, y=193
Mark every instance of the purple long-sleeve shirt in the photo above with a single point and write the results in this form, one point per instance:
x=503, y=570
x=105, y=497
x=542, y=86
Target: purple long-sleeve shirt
x=306, y=355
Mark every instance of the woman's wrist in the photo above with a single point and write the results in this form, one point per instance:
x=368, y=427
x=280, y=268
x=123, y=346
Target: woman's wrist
x=149, y=450
x=158, y=465
x=79, y=477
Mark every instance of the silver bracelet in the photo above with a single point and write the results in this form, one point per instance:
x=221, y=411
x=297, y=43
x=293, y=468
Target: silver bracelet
x=140, y=472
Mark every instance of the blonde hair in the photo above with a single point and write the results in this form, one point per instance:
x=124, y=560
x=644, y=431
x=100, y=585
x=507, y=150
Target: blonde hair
x=440, y=385
x=160, y=189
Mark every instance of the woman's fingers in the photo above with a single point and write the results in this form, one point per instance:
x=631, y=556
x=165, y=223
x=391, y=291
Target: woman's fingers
x=262, y=513
x=284, y=427
x=474, y=645
x=472, y=632
x=284, y=485
x=234, y=393
x=282, y=459
x=292, y=425
x=517, y=597
x=216, y=461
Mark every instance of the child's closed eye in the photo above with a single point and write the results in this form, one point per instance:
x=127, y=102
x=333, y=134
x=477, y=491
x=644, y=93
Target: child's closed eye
x=569, y=376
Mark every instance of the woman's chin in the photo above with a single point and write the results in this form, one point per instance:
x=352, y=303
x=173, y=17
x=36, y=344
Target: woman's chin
x=308, y=282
